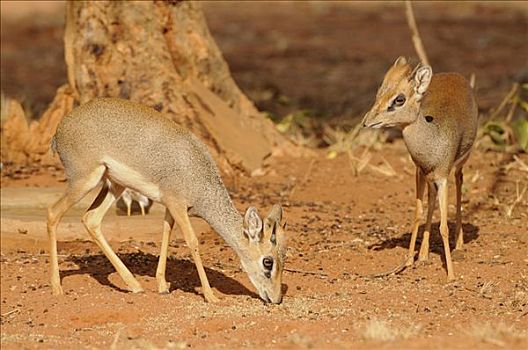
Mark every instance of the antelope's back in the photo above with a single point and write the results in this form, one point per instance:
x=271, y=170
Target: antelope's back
x=136, y=136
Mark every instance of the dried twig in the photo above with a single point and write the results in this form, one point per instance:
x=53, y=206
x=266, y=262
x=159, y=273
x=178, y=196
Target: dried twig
x=388, y=170
x=504, y=102
x=315, y=273
x=305, y=178
x=417, y=40
x=360, y=163
x=11, y=312
x=304, y=272
x=523, y=165
x=58, y=255
x=513, y=106
x=394, y=271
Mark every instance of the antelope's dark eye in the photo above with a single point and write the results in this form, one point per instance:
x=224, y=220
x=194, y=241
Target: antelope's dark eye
x=399, y=100
x=268, y=263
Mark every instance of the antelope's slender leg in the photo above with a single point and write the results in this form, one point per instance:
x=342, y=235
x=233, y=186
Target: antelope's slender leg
x=444, y=229
x=179, y=213
x=420, y=187
x=74, y=193
x=168, y=224
x=431, y=202
x=459, y=233
x=92, y=220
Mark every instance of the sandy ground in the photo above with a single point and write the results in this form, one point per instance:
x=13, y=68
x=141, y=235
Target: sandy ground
x=341, y=227
x=328, y=58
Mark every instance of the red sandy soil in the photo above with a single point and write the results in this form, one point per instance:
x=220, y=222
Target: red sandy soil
x=341, y=227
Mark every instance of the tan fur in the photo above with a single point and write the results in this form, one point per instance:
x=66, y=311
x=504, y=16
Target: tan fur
x=126, y=145
x=439, y=125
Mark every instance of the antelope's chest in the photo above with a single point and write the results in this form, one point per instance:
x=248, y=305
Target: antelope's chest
x=427, y=145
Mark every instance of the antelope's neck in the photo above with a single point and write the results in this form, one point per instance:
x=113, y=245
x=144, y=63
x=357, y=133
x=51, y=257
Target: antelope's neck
x=220, y=213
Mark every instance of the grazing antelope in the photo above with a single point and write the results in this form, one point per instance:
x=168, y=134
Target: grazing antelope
x=123, y=144
x=438, y=117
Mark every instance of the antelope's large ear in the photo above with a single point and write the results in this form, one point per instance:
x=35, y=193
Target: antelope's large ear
x=400, y=61
x=273, y=227
x=422, y=78
x=253, y=225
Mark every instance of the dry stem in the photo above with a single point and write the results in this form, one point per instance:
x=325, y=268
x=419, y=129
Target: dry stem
x=505, y=101
x=417, y=40
x=518, y=199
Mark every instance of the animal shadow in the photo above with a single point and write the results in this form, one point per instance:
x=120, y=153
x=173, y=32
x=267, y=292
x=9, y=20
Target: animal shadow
x=436, y=245
x=181, y=273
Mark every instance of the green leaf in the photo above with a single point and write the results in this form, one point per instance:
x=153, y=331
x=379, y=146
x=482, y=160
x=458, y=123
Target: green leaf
x=331, y=155
x=520, y=130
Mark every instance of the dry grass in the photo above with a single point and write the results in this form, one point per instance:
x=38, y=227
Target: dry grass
x=382, y=331
x=341, y=141
x=486, y=290
x=122, y=342
x=498, y=334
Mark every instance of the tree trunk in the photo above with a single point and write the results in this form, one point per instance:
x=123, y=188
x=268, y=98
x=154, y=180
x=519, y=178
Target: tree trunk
x=162, y=54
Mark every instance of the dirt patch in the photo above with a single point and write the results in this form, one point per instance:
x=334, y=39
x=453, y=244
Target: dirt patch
x=340, y=227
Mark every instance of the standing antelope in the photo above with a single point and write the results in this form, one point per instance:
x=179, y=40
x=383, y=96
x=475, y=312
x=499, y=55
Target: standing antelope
x=129, y=196
x=123, y=144
x=438, y=117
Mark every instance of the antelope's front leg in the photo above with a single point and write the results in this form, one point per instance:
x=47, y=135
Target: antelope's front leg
x=420, y=187
x=179, y=213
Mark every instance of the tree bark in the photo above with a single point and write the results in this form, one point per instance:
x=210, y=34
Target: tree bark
x=161, y=54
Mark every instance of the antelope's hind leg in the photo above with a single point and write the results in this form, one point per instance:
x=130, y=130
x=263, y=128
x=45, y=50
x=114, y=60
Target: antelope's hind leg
x=444, y=229
x=420, y=188
x=431, y=201
x=76, y=190
x=92, y=220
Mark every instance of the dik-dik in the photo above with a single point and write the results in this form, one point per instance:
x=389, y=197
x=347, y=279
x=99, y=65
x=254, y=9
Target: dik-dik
x=438, y=117
x=121, y=144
